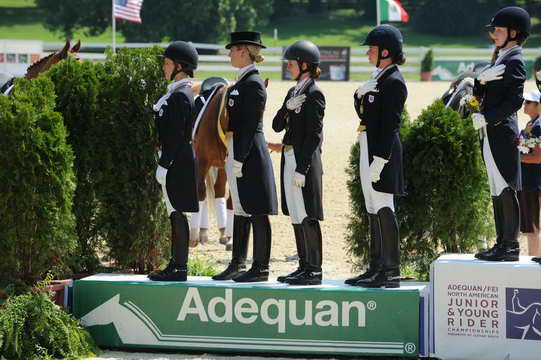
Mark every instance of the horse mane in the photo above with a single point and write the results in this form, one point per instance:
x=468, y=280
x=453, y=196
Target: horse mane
x=48, y=61
x=208, y=145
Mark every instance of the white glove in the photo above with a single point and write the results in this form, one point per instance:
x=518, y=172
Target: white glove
x=491, y=74
x=376, y=167
x=295, y=102
x=369, y=86
x=161, y=174
x=237, y=168
x=478, y=120
x=299, y=179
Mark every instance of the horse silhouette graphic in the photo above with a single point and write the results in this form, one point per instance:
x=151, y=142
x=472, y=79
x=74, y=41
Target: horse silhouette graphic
x=523, y=310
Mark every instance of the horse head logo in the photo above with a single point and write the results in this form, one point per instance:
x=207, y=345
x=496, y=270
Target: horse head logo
x=523, y=314
x=133, y=326
x=102, y=314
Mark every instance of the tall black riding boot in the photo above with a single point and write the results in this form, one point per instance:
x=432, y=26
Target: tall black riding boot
x=177, y=269
x=312, y=274
x=389, y=274
x=299, y=241
x=262, y=246
x=509, y=248
x=375, y=251
x=241, y=236
x=498, y=221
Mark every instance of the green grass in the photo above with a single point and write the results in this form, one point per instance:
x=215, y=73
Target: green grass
x=17, y=3
x=346, y=28
x=21, y=20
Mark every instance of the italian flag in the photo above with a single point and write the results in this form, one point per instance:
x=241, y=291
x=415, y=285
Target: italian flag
x=392, y=10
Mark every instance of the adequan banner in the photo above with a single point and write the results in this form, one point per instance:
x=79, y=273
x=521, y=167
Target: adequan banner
x=486, y=310
x=128, y=311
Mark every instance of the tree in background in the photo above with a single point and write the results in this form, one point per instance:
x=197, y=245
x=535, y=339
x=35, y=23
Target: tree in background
x=164, y=20
x=458, y=17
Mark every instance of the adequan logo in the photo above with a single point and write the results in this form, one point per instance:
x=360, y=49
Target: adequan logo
x=523, y=313
x=280, y=313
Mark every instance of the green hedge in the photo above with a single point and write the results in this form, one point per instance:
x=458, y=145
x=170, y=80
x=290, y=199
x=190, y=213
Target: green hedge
x=36, y=184
x=68, y=195
x=447, y=205
x=77, y=86
x=132, y=219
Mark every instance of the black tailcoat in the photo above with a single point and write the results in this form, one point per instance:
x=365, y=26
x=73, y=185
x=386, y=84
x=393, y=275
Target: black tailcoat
x=500, y=101
x=245, y=106
x=174, y=122
x=381, y=112
x=304, y=130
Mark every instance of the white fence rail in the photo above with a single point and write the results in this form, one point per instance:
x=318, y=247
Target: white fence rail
x=358, y=62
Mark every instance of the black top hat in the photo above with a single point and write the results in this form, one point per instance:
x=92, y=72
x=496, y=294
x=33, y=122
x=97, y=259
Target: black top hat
x=245, y=38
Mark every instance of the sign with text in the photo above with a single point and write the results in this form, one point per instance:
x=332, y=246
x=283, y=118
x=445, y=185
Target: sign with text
x=129, y=311
x=334, y=63
x=486, y=310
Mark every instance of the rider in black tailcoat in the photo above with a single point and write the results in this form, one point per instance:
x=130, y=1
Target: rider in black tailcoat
x=500, y=87
x=248, y=165
x=177, y=168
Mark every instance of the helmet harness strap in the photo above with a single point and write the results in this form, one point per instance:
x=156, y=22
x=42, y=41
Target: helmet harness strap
x=302, y=71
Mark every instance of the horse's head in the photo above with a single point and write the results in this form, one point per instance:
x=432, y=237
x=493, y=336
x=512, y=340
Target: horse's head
x=103, y=314
x=44, y=64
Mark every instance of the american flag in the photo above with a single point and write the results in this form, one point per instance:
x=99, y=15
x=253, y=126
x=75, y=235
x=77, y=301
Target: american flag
x=128, y=10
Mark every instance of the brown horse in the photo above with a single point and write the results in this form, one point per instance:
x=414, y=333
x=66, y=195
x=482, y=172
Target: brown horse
x=210, y=138
x=44, y=64
x=212, y=134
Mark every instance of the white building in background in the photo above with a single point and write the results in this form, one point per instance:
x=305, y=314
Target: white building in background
x=17, y=55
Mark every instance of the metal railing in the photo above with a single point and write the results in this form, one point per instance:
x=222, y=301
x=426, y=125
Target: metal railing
x=273, y=59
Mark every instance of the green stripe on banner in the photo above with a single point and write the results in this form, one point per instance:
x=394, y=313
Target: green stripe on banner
x=384, y=10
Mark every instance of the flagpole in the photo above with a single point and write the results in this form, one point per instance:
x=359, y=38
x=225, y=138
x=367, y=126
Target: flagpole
x=378, y=14
x=114, y=25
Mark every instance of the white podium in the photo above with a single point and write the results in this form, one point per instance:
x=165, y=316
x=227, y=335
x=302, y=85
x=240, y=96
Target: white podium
x=485, y=310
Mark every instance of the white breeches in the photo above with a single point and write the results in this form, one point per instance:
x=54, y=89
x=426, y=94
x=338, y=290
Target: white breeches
x=232, y=180
x=294, y=197
x=495, y=180
x=373, y=200
x=168, y=205
x=229, y=226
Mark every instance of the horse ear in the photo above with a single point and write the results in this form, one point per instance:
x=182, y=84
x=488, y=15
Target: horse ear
x=64, y=51
x=76, y=47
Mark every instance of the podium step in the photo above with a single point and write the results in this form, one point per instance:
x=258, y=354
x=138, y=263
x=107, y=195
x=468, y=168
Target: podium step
x=486, y=310
x=129, y=311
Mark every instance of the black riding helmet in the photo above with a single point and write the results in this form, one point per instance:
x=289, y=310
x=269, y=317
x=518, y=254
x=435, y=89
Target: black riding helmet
x=385, y=37
x=182, y=53
x=303, y=51
x=512, y=18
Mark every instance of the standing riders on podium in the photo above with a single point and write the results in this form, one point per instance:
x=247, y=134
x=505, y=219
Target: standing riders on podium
x=177, y=168
x=500, y=89
x=248, y=164
x=301, y=116
x=379, y=103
